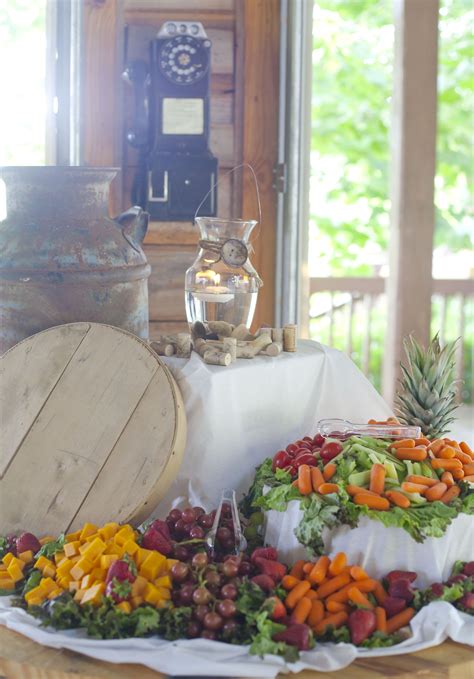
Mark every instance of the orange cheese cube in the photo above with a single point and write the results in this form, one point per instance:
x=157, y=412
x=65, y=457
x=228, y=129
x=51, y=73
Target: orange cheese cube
x=99, y=574
x=151, y=594
x=72, y=548
x=47, y=585
x=14, y=571
x=106, y=560
x=7, y=558
x=79, y=594
x=72, y=537
x=49, y=571
x=108, y=530
x=27, y=556
x=42, y=562
x=124, y=606
x=94, y=594
x=81, y=568
x=94, y=550
x=2, y=567
x=162, y=604
x=87, y=581
x=139, y=585
x=124, y=534
x=170, y=563
x=141, y=554
x=59, y=556
x=46, y=539
x=114, y=549
x=152, y=564
x=55, y=593
x=164, y=593
x=74, y=586
x=64, y=568
x=64, y=581
x=88, y=529
x=137, y=601
x=35, y=596
x=7, y=584
x=163, y=581
x=130, y=547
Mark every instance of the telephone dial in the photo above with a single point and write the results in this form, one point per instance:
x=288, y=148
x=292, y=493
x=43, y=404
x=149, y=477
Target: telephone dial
x=171, y=125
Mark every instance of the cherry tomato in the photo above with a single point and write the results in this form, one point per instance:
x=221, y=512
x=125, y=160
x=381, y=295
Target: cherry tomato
x=319, y=440
x=330, y=450
x=280, y=460
x=308, y=459
x=291, y=449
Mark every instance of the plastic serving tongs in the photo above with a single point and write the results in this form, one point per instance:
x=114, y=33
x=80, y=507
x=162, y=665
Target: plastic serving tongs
x=228, y=498
x=343, y=429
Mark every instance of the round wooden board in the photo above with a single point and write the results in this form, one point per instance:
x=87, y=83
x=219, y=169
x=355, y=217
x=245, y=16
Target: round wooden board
x=93, y=429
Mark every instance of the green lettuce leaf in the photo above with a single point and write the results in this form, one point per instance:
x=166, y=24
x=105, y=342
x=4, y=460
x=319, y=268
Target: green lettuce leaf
x=50, y=548
x=278, y=498
x=264, y=476
x=319, y=512
x=263, y=642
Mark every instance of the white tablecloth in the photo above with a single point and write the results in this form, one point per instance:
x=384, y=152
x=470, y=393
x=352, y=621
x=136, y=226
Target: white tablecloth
x=239, y=415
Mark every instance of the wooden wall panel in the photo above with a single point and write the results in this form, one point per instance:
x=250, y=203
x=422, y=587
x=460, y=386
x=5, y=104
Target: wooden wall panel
x=166, y=284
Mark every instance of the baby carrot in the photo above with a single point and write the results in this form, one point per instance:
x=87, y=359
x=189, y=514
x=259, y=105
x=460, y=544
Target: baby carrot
x=297, y=569
x=329, y=471
x=422, y=442
x=336, y=607
x=398, y=499
x=463, y=457
x=358, y=573
x=354, y=490
x=289, y=581
x=458, y=474
x=341, y=595
x=379, y=592
x=468, y=469
x=447, y=478
x=403, y=443
x=414, y=487
x=308, y=567
x=424, y=480
x=359, y=599
x=316, y=613
x=304, y=480
x=372, y=501
x=450, y=494
x=335, y=620
x=317, y=479
x=333, y=585
x=297, y=593
x=436, y=492
x=446, y=453
x=436, y=445
x=469, y=477
x=466, y=449
x=319, y=570
x=400, y=620
x=377, y=478
x=337, y=564
x=327, y=488
x=295, y=483
x=414, y=454
x=381, y=619
x=311, y=595
x=302, y=610
x=447, y=465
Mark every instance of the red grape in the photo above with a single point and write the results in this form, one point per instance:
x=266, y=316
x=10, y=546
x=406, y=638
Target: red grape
x=193, y=630
x=229, y=591
x=200, y=611
x=197, y=533
x=174, y=515
x=226, y=608
x=208, y=634
x=187, y=528
x=189, y=515
x=200, y=560
x=186, y=594
x=223, y=534
x=226, y=509
x=229, y=628
x=212, y=577
x=199, y=511
x=201, y=596
x=181, y=553
x=213, y=621
x=179, y=527
x=230, y=569
x=245, y=568
x=179, y=571
x=206, y=521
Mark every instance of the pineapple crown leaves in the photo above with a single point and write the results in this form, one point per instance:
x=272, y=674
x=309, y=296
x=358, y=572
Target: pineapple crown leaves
x=426, y=395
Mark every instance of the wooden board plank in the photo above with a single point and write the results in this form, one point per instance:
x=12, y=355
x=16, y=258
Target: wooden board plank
x=84, y=423
x=21, y=658
x=166, y=283
x=180, y=5
x=167, y=327
x=151, y=17
x=51, y=358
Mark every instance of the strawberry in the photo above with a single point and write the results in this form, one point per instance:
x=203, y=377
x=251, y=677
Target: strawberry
x=274, y=569
x=265, y=582
x=468, y=568
x=153, y=539
x=123, y=570
x=466, y=601
x=393, y=605
x=298, y=635
x=119, y=590
x=278, y=607
x=265, y=552
x=402, y=589
x=396, y=575
x=162, y=527
x=27, y=541
x=437, y=588
x=362, y=623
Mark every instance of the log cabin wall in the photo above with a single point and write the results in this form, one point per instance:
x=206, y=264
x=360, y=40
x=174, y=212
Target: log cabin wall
x=244, y=127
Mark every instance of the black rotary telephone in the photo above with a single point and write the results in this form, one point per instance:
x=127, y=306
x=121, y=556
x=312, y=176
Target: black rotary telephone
x=171, y=125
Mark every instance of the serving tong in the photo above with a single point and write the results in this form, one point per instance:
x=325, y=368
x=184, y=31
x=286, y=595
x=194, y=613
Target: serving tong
x=339, y=428
x=240, y=543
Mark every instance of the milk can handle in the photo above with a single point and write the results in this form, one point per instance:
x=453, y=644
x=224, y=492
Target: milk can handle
x=134, y=224
x=237, y=167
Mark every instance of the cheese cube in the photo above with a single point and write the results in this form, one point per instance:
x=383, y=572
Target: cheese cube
x=72, y=548
x=152, y=564
x=55, y=593
x=47, y=585
x=64, y=568
x=124, y=606
x=99, y=575
x=164, y=593
x=106, y=560
x=35, y=596
x=59, y=556
x=163, y=581
x=7, y=558
x=151, y=594
x=49, y=571
x=139, y=585
x=141, y=554
x=42, y=562
x=137, y=601
x=27, y=556
x=79, y=594
x=64, y=581
x=94, y=594
x=87, y=581
x=14, y=571
x=81, y=568
x=108, y=530
x=7, y=584
x=88, y=529
x=94, y=550
x=124, y=534
x=130, y=547
x=74, y=586
x=72, y=537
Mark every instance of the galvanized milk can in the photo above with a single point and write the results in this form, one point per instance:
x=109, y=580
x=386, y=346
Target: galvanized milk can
x=62, y=259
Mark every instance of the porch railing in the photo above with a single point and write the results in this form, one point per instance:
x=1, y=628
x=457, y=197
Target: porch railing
x=350, y=314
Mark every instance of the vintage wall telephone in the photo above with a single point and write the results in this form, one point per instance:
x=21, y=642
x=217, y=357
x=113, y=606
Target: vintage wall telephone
x=171, y=125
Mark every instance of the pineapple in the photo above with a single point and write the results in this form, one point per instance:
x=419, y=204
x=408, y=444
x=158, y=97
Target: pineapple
x=426, y=397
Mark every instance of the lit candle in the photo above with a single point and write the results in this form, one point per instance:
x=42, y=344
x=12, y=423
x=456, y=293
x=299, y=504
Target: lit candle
x=215, y=292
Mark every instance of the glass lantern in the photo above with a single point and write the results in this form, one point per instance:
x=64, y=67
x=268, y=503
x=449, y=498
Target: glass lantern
x=222, y=284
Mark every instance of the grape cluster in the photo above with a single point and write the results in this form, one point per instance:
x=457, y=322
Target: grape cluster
x=210, y=588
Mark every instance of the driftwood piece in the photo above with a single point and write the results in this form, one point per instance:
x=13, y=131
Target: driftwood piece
x=162, y=348
x=221, y=328
x=289, y=338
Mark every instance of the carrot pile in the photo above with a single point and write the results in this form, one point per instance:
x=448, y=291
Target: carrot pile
x=323, y=594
